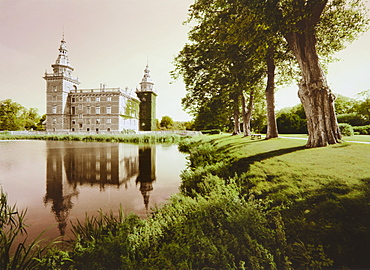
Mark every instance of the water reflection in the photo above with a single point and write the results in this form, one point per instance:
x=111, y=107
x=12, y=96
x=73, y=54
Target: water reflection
x=146, y=172
x=114, y=165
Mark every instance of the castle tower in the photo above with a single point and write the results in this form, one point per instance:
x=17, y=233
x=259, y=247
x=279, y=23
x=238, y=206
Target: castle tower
x=147, y=98
x=58, y=85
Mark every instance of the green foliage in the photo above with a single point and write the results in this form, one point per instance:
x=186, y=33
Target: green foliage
x=54, y=259
x=14, y=116
x=214, y=114
x=346, y=129
x=127, y=138
x=12, y=228
x=292, y=120
x=211, y=131
x=218, y=231
x=362, y=108
x=243, y=204
x=309, y=256
x=352, y=119
x=318, y=200
x=344, y=105
x=131, y=109
x=166, y=122
x=364, y=130
x=103, y=242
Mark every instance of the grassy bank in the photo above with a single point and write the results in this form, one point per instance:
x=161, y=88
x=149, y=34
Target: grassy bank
x=323, y=194
x=132, y=138
x=243, y=204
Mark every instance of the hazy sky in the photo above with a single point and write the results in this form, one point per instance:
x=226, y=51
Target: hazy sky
x=110, y=41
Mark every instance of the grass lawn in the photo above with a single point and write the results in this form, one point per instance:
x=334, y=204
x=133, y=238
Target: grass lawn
x=285, y=165
x=323, y=193
x=358, y=138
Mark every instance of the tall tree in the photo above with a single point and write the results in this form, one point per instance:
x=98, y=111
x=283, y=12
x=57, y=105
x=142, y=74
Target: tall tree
x=252, y=27
x=11, y=115
x=303, y=24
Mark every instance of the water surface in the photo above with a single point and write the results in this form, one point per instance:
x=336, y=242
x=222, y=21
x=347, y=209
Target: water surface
x=61, y=181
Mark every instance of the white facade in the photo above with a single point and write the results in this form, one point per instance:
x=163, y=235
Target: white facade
x=69, y=109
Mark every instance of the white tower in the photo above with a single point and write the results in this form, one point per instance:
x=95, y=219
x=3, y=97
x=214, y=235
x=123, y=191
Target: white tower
x=58, y=85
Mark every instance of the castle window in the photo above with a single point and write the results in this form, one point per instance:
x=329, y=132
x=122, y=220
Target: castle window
x=109, y=98
x=92, y=99
x=88, y=99
x=80, y=106
x=109, y=110
x=97, y=99
x=97, y=121
x=73, y=99
x=73, y=122
x=73, y=110
x=54, y=120
x=97, y=110
x=81, y=98
x=80, y=116
x=109, y=121
x=88, y=110
x=88, y=120
x=108, y=129
x=54, y=109
x=80, y=125
x=88, y=129
x=54, y=88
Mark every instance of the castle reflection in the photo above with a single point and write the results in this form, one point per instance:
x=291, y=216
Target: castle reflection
x=98, y=165
x=146, y=172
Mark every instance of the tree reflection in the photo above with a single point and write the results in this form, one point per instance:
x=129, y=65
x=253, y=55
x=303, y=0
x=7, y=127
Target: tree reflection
x=97, y=165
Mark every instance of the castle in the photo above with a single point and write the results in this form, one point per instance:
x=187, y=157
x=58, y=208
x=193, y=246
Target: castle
x=101, y=110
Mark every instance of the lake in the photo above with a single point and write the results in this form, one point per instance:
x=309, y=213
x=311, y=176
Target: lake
x=61, y=181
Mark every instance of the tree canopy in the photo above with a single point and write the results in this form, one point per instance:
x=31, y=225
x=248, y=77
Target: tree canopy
x=13, y=116
x=234, y=43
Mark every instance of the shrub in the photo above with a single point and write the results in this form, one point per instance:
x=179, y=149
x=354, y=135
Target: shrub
x=211, y=131
x=291, y=123
x=363, y=130
x=346, y=129
x=352, y=119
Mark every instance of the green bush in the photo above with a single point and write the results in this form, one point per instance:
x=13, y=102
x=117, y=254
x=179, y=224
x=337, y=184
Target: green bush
x=211, y=131
x=352, y=119
x=363, y=130
x=217, y=231
x=346, y=130
x=289, y=123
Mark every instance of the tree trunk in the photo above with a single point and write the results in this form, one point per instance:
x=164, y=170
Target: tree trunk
x=314, y=93
x=247, y=113
x=236, y=116
x=272, y=131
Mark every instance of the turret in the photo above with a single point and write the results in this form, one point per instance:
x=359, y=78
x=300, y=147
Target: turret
x=147, y=96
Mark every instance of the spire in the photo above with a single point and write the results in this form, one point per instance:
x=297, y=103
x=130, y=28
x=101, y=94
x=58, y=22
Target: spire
x=62, y=67
x=63, y=54
x=146, y=77
x=146, y=84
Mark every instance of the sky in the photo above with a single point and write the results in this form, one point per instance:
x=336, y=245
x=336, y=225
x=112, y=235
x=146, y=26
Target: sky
x=111, y=42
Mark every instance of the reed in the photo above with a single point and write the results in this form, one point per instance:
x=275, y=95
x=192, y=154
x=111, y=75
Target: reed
x=129, y=138
x=13, y=227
